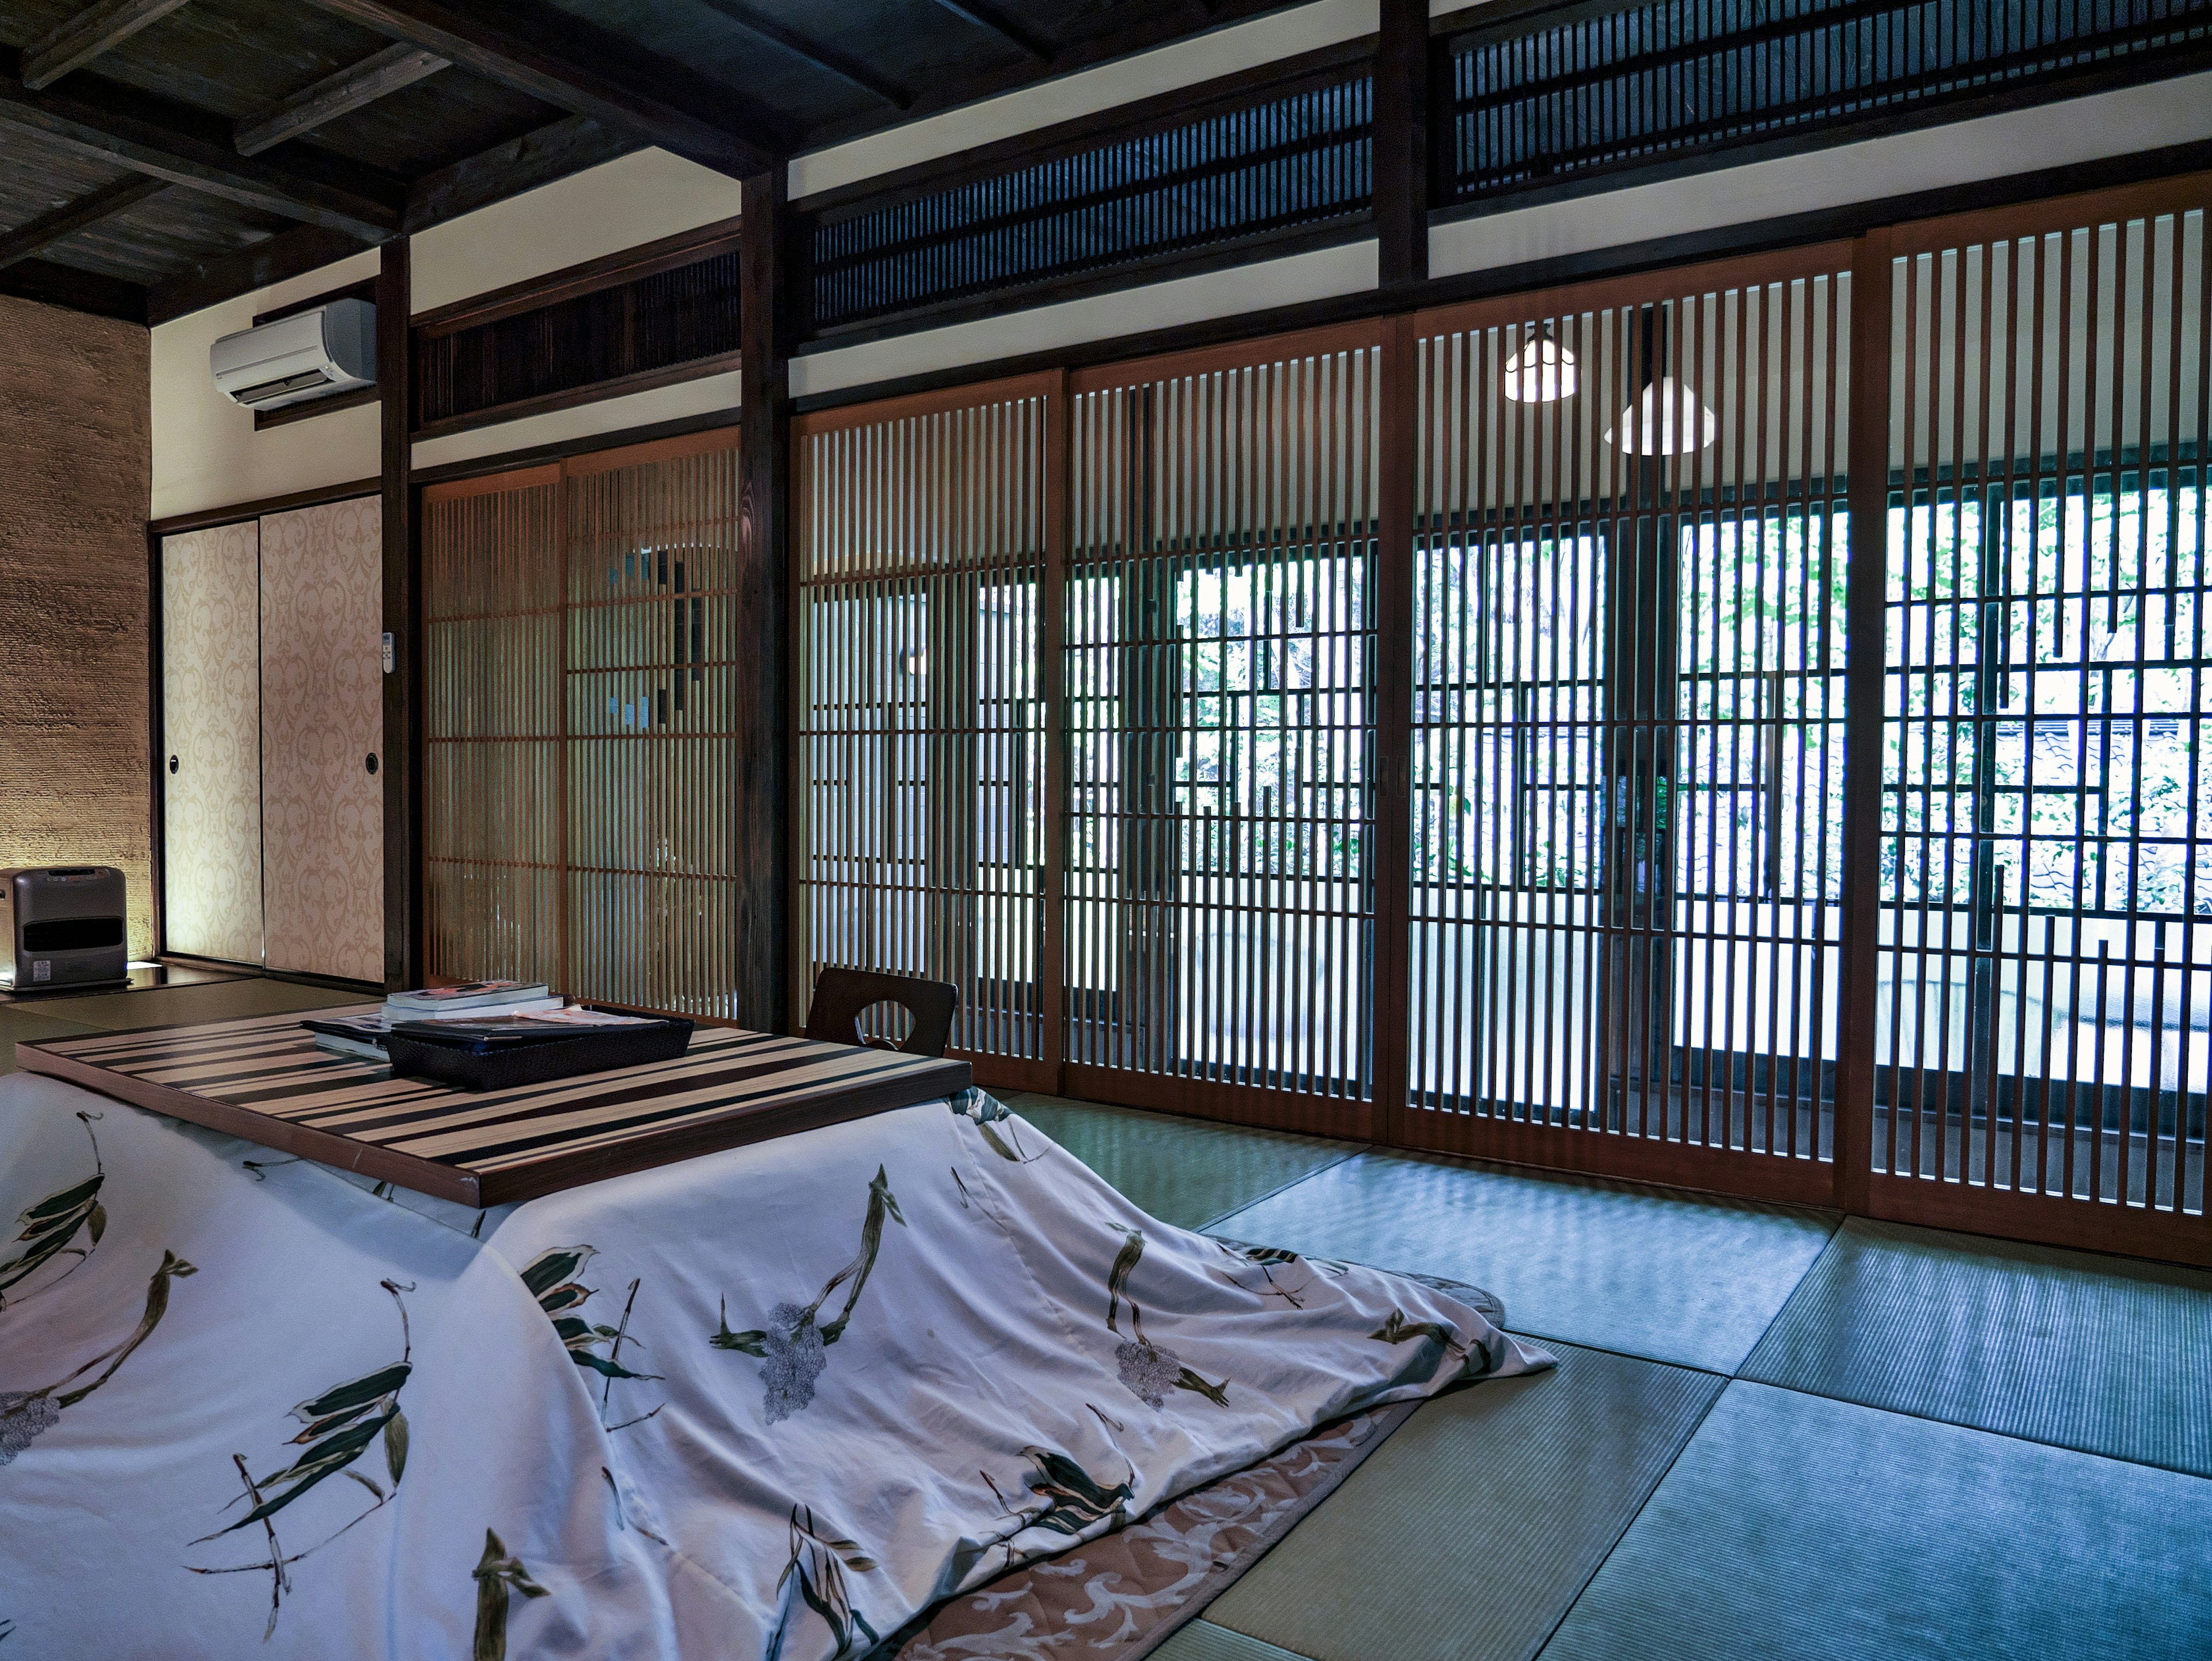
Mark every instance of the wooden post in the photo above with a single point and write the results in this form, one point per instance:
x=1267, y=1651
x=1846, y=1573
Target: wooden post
x=403, y=614
x=1865, y=611
x=1052, y=684
x=1393, y=793
x=1402, y=144
x=766, y=273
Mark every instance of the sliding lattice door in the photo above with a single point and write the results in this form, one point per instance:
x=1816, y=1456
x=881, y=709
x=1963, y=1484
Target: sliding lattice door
x=1220, y=666
x=587, y=644
x=1626, y=757
x=924, y=534
x=2045, y=931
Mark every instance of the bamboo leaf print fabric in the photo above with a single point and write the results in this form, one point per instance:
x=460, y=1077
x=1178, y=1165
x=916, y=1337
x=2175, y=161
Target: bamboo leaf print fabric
x=774, y=1403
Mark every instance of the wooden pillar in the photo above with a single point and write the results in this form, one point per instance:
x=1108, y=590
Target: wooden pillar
x=1865, y=610
x=767, y=305
x=403, y=755
x=1401, y=143
x=1394, y=805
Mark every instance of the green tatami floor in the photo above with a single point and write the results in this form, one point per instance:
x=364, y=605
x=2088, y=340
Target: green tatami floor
x=1773, y=1433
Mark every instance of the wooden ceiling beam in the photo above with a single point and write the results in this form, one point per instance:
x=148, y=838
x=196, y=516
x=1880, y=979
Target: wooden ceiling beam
x=995, y=21
x=75, y=290
x=80, y=38
x=828, y=59
x=287, y=254
x=332, y=96
x=553, y=151
x=66, y=221
x=559, y=59
x=113, y=132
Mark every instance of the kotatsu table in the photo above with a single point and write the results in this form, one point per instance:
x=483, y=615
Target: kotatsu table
x=265, y=1078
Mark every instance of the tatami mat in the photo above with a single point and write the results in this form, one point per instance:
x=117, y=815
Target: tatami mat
x=18, y=1022
x=1185, y=1171
x=1795, y=1527
x=1201, y=1640
x=1467, y=1535
x=1676, y=1277
x=216, y=1001
x=2101, y=1353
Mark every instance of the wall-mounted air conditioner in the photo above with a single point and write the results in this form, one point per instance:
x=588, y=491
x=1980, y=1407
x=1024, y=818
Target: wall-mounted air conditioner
x=312, y=354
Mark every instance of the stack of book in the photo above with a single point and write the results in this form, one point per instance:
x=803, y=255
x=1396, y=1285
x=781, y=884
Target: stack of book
x=518, y=1004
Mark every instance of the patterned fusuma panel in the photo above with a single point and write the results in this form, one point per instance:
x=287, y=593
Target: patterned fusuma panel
x=266, y=1078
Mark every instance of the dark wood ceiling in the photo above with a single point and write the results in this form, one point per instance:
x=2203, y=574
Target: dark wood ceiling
x=160, y=155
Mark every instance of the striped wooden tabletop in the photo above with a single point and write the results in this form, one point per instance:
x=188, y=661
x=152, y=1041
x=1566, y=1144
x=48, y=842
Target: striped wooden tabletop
x=265, y=1078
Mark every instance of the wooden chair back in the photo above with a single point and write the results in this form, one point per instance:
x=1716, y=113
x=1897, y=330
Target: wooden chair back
x=842, y=995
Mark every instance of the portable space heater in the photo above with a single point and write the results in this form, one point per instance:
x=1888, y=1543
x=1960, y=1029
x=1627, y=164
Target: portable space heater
x=62, y=925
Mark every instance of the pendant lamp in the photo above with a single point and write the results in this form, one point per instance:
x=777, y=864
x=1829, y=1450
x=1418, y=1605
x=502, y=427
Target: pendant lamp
x=1667, y=420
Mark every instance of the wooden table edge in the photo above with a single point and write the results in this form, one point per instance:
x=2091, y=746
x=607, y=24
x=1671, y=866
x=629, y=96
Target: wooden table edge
x=940, y=1079
x=562, y=1172
x=265, y=1130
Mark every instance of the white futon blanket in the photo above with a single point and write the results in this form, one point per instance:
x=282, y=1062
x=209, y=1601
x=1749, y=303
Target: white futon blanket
x=768, y=1403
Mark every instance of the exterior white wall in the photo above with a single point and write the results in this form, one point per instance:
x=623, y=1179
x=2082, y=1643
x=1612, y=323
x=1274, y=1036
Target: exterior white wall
x=206, y=453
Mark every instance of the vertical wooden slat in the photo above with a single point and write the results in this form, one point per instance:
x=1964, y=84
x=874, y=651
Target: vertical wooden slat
x=1864, y=681
x=1397, y=526
x=2041, y=1078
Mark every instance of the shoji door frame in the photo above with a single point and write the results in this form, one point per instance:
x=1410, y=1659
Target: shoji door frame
x=1948, y=1202
x=1648, y=1157
x=757, y=894
x=1239, y=1101
x=1846, y=1180
x=1050, y=387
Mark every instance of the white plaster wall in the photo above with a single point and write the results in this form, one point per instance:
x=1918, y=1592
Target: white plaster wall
x=1350, y=269
x=2088, y=128
x=205, y=452
x=707, y=395
x=618, y=204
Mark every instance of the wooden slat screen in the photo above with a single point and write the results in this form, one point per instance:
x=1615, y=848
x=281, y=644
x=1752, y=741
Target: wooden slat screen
x=1219, y=667
x=1201, y=174
x=921, y=559
x=492, y=780
x=624, y=332
x=2045, y=978
x=584, y=629
x=1626, y=754
x=1574, y=89
x=1736, y=725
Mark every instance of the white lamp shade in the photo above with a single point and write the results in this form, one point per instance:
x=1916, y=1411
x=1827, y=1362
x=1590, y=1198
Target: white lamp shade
x=1667, y=421
x=1541, y=372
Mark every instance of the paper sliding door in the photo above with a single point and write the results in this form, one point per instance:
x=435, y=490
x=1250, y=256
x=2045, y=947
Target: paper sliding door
x=210, y=708
x=322, y=739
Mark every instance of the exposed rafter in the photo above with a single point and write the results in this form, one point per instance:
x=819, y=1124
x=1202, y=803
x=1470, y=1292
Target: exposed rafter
x=77, y=39
x=997, y=22
x=572, y=65
x=831, y=61
x=71, y=217
x=364, y=83
x=161, y=150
